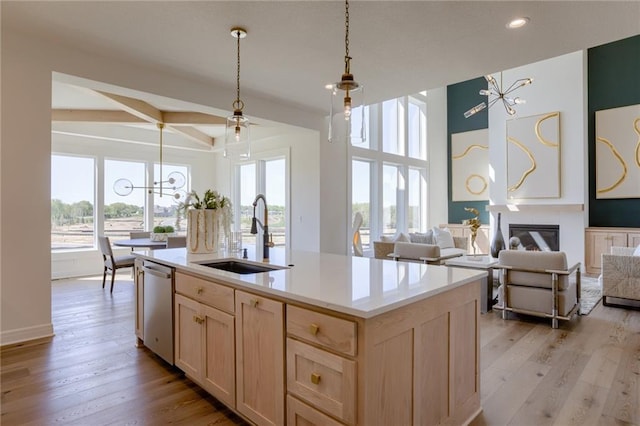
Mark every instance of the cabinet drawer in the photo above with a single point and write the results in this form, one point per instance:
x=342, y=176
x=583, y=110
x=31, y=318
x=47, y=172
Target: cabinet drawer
x=300, y=414
x=324, y=380
x=207, y=292
x=325, y=330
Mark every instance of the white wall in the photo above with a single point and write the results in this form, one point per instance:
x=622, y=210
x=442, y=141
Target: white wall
x=559, y=85
x=438, y=207
x=25, y=160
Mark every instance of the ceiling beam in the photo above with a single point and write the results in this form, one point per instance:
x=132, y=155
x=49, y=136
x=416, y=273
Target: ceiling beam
x=136, y=107
x=181, y=118
x=94, y=116
x=193, y=134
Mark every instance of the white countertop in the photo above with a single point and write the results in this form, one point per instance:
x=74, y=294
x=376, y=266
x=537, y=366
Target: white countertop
x=359, y=286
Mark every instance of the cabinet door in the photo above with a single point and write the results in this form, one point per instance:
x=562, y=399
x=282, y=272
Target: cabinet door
x=633, y=239
x=188, y=337
x=219, y=377
x=138, y=277
x=260, y=359
x=601, y=242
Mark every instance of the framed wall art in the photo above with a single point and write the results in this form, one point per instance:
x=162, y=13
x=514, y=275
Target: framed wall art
x=470, y=165
x=533, y=156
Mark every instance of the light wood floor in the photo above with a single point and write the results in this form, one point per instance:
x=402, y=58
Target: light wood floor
x=586, y=372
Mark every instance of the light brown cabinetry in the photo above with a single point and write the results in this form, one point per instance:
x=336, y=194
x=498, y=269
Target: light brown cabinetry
x=260, y=359
x=483, y=240
x=204, y=336
x=600, y=240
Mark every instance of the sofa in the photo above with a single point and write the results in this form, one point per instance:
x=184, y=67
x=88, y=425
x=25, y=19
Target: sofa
x=538, y=283
x=621, y=274
x=433, y=247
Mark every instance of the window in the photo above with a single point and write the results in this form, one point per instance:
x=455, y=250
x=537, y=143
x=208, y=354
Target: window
x=123, y=214
x=72, y=202
x=361, y=197
x=389, y=198
x=266, y=176
x=388, y=174
x=165, y=208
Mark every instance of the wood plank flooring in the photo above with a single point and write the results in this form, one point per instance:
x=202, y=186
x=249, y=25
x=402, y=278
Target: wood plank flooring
x=585, y=373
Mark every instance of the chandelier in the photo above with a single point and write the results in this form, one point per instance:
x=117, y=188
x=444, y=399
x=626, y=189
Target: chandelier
x=175, y=181
x=495, y=93
x=347, y=115
x=236, y=139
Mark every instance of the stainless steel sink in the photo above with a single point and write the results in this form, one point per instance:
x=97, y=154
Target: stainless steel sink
x=238, y=267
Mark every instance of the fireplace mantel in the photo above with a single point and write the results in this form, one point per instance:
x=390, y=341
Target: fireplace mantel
x=534, y=208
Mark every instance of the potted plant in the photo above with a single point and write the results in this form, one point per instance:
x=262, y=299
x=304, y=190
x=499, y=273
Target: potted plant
x=160, y=233
x=208, y=220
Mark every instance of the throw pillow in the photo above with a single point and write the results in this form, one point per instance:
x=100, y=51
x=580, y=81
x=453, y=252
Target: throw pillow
x=443, y=238
x=402, y=237
x=386, y=238
x=422, y=238
x=636, y=252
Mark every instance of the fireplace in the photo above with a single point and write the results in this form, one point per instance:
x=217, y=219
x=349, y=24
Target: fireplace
x=536, y=237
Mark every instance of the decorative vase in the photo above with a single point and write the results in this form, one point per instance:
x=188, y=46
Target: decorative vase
x=497, y=244
x=203, y=231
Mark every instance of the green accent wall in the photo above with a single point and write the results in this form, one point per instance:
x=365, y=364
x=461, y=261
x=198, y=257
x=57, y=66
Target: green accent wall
x=613, y=81
x=460, y=98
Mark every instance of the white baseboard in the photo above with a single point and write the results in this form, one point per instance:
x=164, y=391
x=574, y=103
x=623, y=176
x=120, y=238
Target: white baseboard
x=21, y=335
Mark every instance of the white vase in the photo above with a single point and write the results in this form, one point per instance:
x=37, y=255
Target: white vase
x=203, y=231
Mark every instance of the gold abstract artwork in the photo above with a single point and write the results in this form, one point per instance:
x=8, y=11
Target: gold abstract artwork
x=533, y=156
x=470, y=165
x=618, y=152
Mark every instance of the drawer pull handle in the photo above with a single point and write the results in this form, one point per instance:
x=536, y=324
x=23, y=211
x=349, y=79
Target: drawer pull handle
x=199, y=290
x=253, y=303
x=315, y=378
x=313, y=329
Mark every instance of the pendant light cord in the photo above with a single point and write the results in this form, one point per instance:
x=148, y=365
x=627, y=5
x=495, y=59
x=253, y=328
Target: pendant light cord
x=347, y=58
x=238, y=104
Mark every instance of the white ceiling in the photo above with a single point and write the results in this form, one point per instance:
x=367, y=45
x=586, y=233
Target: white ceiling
x=294, y=48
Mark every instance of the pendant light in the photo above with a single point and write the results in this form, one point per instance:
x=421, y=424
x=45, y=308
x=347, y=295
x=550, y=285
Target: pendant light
x=175, y=180
x=495, y=93
x=347, y=115
x=236, y=139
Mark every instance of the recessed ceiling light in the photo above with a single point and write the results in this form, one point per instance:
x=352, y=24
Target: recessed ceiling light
x=518, y=22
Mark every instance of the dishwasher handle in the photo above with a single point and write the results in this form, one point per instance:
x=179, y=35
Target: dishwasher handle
x=155, y=272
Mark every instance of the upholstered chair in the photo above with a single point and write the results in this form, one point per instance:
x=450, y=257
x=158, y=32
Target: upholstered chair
x=538, y=283
x=621, y=275
x=112, y=263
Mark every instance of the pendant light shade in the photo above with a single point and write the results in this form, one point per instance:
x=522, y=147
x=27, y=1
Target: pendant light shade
x=347, y=113
x=236, y=137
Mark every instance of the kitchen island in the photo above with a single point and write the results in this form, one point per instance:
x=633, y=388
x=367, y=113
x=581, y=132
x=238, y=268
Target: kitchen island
x=328, y=339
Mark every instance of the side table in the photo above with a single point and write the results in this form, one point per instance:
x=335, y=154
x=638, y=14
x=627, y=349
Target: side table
x=486, y=263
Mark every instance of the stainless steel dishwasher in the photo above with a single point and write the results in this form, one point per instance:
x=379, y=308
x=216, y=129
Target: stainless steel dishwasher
x=158, y=309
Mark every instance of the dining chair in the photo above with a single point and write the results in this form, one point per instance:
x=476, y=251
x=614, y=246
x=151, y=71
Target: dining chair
x=173, y=242
x=112, y=263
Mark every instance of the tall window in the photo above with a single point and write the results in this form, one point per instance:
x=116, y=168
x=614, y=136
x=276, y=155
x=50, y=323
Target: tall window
x=361, y=197
x=389, y=199
x=72, y=202
x=388, y=175
x=247, y=192
x=275, y=191
x=123, y=214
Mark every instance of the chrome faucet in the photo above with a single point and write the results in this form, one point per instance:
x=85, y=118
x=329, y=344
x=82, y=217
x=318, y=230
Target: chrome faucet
x=265, y=226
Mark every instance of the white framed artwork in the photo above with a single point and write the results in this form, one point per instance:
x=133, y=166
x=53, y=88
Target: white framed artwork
x=618, y=152
x=533, y=156
x=470, y=165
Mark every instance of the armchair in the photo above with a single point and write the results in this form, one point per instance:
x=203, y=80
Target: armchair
x=620, y=275
x=538, y=283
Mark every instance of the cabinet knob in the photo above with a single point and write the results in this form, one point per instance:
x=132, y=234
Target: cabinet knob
x=199, y=290
x=198, y=319
x=315, y=378
x=253, y=303
x=313, y=329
